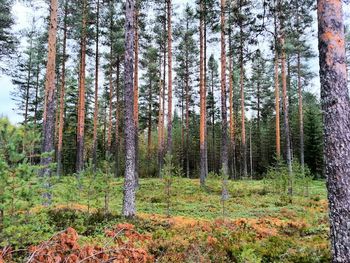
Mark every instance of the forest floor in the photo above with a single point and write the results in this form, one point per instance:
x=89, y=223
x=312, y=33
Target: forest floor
x=256, y=224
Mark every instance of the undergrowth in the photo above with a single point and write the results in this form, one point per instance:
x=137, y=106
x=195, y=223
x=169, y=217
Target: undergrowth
x=260, y=225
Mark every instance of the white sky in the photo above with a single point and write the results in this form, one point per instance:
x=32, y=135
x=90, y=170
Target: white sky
x=23, y=18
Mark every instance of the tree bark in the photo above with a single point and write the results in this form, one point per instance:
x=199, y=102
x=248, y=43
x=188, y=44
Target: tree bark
x=250, y=151
x=241, y=62
x=232, y=130
x=300, y=98
x=28, y=83
x=301, y=116
x=117, y=114
x=62, y=94
x=136, y=90
x=110, y=85
x=187, y=120
x=183, y=123
x=224, y=151
x=129, y=208
x=277, y=93
x=203, y=118
x=286, y=115
x=213, y=123
x=149, y=133
x=94, y=149
x=205, y=86
x=336, y=113
x=170, y=80
x=160, y=119
x=81, y=103
x=37, y=84
x=49, y=106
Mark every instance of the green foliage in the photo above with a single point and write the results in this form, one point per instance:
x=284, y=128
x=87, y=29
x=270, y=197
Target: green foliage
x=7, y=38
x=279, y=176
x=256, y=227
x=167, y=174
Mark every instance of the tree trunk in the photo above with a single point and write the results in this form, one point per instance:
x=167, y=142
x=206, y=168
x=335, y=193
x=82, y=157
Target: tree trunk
x=213, y=123
x=336, y=109
x=37, y=84
x=277, y=93
x=203, y=118
x=111, y=91
x=149, y=133
x=232, y=130
x=62, y=94
x=136, y=90
x=160, y=113
x=160, y=119
x=224, y=157
x=81, y=103
x=94, y=147
x=301, y=116
x=244, y=143
x=205, y=86
x=300, y=98
x=49, y=107
x=170, y=80
x=286, y=115
x=117, y=108
x=28, y=82
x=183, y=123
x=289, y=103
x=259, y=144
x=250, y=151
x=129, y=208
x=187, y=120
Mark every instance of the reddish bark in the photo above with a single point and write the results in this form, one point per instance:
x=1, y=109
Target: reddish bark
x=62, y=94
x=81, y=102
x=336, y=113
x=94, y=149
x=170, y=79
x=49, y=106
x=286, y=115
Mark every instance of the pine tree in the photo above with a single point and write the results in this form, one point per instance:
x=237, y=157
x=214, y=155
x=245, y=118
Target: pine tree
x=49, y=106
x=186, y=65
x=7, y=39
x=224, y=150
x=336, y=110
x=148, y=94
x=313, y=134
x=213, y=82
x=285, y=98
x=160, y=34
x=203, y=93
x=129, y=183
x=82, y=78
x=260, y=99
x=97, y=61
x=62, y=91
